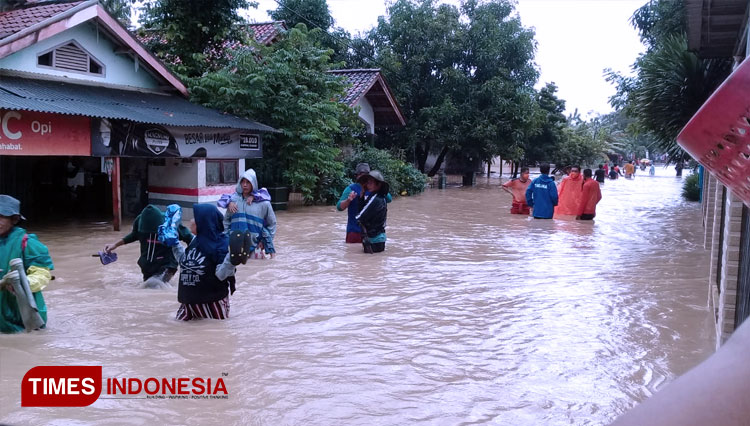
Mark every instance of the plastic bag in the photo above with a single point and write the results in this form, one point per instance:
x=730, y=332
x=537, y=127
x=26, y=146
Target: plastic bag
x=223, y=202
x=168, y=230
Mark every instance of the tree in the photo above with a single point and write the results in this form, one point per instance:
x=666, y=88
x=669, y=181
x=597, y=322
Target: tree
x=187, y=29
x=286, y=86
x=671, y=83
x=462, y=77
x=658, y=20
x=540, y=146
x=312, y=13
x=120, y=9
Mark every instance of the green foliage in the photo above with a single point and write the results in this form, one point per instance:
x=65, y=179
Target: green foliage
x=691, y=188
x=670, y=86
x=120, y=9
x=400, y=175
x=658, y=20
x=670, y=83
x=312, y=13
x=464, y=78
x=189, y=28
x=539, y=147
x=287, y=87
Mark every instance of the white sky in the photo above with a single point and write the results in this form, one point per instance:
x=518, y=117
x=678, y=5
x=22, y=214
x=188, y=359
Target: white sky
x=577, y=40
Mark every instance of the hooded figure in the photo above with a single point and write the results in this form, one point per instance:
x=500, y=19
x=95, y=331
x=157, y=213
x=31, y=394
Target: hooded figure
x=156, y=259
x=253, y=214
x=206, y=274
x=15, y=243
x=374, y=211
x=570, y=193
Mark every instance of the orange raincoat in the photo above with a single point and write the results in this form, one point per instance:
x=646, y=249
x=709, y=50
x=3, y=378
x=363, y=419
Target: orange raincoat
x=570, y=194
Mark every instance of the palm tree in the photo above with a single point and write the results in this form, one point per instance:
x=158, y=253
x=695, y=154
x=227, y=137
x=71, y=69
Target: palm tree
x=671, y=85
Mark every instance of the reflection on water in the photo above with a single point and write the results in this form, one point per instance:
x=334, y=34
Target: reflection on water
x=470, y=316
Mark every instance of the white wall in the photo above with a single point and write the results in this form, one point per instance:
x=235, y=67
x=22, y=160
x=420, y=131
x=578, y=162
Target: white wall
x=367, y=114
x=176, y=174
x=118, y=69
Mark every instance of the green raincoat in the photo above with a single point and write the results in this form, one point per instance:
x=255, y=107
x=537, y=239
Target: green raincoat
x=35, y=254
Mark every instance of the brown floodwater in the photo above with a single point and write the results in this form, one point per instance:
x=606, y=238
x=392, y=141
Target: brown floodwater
x=470, y=316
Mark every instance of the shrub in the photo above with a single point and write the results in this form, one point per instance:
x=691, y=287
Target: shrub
x=403, y=178
x=691, y=189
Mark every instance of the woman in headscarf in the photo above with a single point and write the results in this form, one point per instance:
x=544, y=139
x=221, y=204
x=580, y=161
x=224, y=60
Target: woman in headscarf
x=206, y=273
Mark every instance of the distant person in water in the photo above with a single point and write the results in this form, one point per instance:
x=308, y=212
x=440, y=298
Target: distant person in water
x=541, y=195
x=600, y=174
x=678, y=167
x=570, y=192
x=652, y=170
x=629, y=170
x=592, y=194
x=517, y=188
x=157, y=262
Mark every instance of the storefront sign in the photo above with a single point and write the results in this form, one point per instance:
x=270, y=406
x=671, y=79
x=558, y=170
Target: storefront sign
x=122, y=138
x=37, y=133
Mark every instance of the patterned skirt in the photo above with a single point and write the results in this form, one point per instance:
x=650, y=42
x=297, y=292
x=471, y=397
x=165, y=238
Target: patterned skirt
x=215, y=310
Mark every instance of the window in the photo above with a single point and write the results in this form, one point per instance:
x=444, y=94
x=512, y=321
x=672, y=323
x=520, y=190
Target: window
x=221, y=172
x=70, y=56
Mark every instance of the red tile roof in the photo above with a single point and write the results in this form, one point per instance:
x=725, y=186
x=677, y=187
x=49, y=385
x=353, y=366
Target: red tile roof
x=370, y=84
x=14, y=21
x=359, y=80
x=266, y=32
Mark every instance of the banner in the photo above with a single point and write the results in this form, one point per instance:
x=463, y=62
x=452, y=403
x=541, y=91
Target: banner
x=38, y=133
x=120, y=138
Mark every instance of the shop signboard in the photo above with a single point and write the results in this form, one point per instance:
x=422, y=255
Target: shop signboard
x=38, y=133
x=121, y=138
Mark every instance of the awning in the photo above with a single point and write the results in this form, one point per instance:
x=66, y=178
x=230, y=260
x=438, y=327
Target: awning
x=100, y=102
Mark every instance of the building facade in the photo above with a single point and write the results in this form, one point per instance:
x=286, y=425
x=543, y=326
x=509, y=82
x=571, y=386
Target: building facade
x=94, y=125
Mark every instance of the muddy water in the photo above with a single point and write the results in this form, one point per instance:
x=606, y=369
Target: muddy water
x=470, y=316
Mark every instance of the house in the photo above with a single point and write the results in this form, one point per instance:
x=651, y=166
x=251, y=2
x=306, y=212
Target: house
x=94, y=124
x=717, y=136
x=368, y=91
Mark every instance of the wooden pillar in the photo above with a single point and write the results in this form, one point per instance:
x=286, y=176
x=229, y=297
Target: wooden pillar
x=116, y=210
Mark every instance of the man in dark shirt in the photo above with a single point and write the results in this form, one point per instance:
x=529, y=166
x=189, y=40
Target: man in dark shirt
x=600, y=174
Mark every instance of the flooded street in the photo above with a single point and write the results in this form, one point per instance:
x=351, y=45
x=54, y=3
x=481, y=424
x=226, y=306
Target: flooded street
x=471, y=316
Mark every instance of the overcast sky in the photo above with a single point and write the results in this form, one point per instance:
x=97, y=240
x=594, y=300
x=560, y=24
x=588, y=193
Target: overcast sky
x=577, y=40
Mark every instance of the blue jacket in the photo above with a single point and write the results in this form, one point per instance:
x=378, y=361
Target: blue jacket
x=542, y=196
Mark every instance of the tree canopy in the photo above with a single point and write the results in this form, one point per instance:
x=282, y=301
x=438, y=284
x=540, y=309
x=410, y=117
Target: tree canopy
x=670, y=82
x=287, y=86
x=187, y=29
x=463, y=77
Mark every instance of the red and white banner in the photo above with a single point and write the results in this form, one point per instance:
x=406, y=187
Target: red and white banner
x=38, y=133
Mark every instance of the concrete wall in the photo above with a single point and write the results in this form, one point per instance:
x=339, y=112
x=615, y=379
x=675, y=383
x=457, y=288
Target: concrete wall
x=118, y=69
x=367, y=114
x=725, y=256
x=184, y=183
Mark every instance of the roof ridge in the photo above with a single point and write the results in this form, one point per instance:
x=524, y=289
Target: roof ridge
x=265, y=23
x=357, y=70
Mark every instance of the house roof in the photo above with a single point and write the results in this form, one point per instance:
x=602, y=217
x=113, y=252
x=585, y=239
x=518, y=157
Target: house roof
x=267, y=32
x=16, y=20
x=17, y=93
x=716, y=28
x=37, y=21
x=370, y=84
